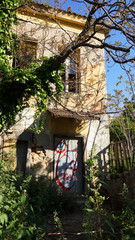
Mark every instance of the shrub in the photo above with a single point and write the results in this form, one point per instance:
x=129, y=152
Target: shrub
x=45, y=197
x=101, y=223
x=25, y=201
x=17, y=219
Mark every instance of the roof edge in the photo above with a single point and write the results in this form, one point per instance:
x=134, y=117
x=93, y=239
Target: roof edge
x=41, y=10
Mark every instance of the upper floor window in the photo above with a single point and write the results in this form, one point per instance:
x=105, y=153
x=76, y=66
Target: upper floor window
x=71, y=74
x=25, y=54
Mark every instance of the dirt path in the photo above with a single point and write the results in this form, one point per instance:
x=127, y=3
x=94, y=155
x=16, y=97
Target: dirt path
x=71, y=224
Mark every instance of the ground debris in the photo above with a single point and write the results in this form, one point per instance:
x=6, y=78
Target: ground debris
x=72, y=225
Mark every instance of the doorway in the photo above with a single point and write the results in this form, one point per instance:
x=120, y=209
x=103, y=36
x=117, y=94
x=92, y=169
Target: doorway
x=68, y=163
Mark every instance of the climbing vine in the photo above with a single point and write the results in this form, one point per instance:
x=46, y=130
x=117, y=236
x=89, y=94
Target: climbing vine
x=22, y=84
x=18, y=85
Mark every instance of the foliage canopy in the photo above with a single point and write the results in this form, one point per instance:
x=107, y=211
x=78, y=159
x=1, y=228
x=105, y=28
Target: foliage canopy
x=123, y=126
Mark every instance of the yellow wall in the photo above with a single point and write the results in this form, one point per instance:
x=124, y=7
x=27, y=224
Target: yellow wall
x=52, y=28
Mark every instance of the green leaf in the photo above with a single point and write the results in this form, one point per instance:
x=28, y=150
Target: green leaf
x=14, y=178
x=21, y=233
x=1, y=198
x=3, y=218
x=32, y=210
x=89, y=210
x=23, y=199
x=12, y=224
x=110, y=225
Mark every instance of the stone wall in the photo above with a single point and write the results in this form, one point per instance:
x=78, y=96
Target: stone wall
x=40, y=163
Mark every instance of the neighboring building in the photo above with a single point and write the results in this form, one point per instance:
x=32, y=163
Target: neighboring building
x=61, y=150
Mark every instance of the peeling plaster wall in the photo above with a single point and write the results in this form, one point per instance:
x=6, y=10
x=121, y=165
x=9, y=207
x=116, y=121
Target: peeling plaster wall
x=40, y=156
x=95, y=135
x=40, y=163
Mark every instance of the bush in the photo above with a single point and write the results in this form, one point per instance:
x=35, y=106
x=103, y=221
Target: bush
x=17, y=219
x=124, y=219
x=24, y=202
x=45, y=197
x=103, y=223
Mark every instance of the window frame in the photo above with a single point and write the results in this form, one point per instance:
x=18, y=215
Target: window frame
x=17, y=56
x=65, y=74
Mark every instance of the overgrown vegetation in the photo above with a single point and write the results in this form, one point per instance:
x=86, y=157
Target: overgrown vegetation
x=101, y=222
x=38, y=81
x=122, y=127
x=93, y=223
x=24, y=203
x=45, y=197
x=122, y=134
x=59, y=226
x=17, y=218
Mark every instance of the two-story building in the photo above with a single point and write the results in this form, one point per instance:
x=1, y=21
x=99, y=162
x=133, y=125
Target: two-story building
x=77, y=123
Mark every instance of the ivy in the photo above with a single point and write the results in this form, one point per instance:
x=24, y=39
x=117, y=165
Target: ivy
x=18, y=85
x=22, y=84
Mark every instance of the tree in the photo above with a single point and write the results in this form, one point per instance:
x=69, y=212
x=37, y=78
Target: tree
x=122, y=127
x=37, y=79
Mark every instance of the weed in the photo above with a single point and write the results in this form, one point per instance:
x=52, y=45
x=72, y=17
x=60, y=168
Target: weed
x=100, y=223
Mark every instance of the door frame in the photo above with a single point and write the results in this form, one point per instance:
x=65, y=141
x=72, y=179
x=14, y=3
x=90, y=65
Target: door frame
x=71, y=137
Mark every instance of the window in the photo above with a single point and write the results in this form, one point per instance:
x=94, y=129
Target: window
x=26, y=52
x=70, y=76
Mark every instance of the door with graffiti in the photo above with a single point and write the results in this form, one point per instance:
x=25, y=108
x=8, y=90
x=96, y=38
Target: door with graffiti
x=68, y=164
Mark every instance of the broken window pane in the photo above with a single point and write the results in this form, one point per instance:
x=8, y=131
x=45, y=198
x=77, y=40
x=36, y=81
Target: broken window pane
x=70, y=76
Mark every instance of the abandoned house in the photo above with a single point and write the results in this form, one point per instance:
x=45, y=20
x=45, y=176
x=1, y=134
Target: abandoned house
x=74, y=125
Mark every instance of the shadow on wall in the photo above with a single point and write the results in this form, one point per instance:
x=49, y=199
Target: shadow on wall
x=34, y=158
x=31, y=158
x=103, y=160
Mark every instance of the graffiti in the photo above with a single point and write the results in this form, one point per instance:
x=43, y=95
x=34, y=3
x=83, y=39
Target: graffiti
x=66, y=166
x=61, y=147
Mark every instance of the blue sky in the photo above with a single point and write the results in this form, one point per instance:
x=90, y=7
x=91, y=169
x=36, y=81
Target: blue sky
x=113, y=71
